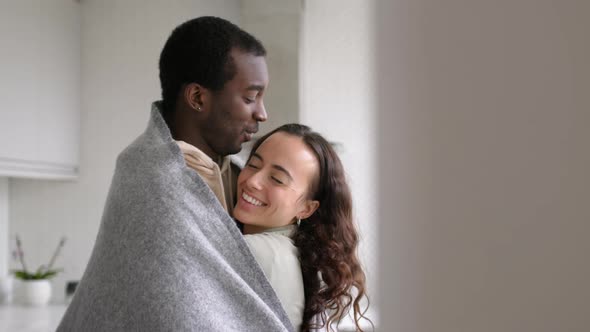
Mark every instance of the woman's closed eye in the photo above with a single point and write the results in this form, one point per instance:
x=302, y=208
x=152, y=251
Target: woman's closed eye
x=253, y=166
x=277, y=180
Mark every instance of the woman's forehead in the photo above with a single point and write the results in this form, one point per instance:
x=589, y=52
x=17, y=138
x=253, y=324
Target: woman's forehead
x=288, y=151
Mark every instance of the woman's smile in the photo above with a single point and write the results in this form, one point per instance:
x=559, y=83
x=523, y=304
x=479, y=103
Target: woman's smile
x=252, y=200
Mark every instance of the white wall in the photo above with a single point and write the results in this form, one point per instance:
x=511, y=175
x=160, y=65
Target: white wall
x=484, y=113
x=39, y=87
x=337, y=100
x=4, y=214
x=277, y=24
x=121, y=44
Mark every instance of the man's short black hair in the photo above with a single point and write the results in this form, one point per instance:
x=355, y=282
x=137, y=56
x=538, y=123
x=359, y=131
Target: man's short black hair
x=198, y=51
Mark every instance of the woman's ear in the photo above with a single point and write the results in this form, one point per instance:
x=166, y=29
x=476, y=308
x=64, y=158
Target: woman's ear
x=309, y=207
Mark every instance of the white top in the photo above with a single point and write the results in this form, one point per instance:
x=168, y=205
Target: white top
x=14, y=317
x=279, y=259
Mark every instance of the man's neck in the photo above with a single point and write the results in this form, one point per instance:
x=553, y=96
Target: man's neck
x=181, y=130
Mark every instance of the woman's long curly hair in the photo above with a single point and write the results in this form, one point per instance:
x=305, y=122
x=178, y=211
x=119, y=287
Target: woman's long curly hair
x=334, y=281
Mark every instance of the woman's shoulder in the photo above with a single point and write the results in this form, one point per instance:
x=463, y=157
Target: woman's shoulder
x=271, y=245
x=278, y=258
x=274, y=250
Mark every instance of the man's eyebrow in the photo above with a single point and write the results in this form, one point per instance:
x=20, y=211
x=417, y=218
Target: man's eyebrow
x=277, y=167
x=255, y=87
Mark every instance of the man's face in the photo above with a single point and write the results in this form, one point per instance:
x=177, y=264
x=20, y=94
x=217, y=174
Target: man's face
x=236, y=110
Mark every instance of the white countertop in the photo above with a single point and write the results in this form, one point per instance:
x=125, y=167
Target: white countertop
x=19, y=318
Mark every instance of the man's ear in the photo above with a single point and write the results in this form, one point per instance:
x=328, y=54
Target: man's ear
x=193, y=96
x=309, y=207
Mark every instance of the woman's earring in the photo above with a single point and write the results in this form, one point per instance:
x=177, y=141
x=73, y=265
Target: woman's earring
x=298, y=222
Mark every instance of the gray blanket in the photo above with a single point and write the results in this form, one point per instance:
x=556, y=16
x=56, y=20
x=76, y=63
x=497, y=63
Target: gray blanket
x=167, y=256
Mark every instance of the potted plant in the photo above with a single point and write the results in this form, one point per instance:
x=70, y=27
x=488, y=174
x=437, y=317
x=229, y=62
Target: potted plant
x=34, y=287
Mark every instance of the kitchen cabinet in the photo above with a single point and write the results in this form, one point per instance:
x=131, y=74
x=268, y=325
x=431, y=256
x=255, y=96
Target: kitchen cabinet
x=40, y=55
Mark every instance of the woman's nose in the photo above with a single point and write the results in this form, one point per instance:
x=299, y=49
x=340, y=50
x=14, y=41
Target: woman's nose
x=255, y=181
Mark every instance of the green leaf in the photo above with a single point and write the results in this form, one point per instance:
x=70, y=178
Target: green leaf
x=23, y=275
x=39, y=275
x=49, y=274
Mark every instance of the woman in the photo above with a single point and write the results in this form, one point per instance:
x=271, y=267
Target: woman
x=296, y=210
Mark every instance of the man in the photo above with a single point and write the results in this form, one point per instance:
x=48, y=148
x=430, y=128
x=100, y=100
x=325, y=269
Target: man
x=168, y=257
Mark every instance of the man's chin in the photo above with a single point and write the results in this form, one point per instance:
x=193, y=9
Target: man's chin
x=237, y=150
x=234, y=150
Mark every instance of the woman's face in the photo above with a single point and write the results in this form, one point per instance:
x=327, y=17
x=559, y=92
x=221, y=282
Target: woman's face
x=273, y=188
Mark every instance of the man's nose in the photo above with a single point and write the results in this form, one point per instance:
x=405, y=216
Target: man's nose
x=260, y=113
